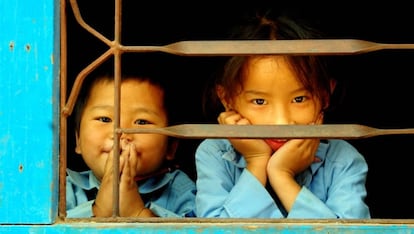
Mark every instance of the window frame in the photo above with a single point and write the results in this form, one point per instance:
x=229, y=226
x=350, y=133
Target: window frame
x=38, y=175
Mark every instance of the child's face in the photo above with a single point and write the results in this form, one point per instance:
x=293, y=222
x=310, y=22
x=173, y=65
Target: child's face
x=141, y=106
x=272, y=95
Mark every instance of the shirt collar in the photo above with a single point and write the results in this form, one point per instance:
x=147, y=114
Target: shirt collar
x=87, y=180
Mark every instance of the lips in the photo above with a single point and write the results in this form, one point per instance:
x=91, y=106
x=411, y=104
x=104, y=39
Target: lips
x=275, y=144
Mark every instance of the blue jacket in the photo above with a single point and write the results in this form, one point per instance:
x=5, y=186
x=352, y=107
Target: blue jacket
x=333, y=188
x=172, y=195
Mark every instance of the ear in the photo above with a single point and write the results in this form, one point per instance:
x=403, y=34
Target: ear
x=77, y=147
x=222, y=94
x=172, y=148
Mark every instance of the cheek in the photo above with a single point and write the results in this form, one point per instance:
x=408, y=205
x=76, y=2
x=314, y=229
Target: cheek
x=307, y=116
x=249, y=112
x=92, y=137
x=152, y=152
x=108, y=145
x=305, y=119
x=151, y=143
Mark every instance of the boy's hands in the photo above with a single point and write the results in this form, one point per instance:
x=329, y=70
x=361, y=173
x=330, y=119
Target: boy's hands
x=130, y=201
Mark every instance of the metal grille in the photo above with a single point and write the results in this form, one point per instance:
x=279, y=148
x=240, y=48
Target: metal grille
x=208, y=48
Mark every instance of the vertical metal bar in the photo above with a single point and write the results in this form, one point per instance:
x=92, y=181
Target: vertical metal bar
x=63, y=118
x=117, y=87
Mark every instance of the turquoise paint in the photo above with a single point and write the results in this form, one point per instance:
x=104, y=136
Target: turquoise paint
x=203, y=227
x=28, y=112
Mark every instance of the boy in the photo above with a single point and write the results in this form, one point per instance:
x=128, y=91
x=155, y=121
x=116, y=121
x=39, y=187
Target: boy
x=149, y=185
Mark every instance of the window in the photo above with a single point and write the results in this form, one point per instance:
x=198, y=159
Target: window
x=372, y=102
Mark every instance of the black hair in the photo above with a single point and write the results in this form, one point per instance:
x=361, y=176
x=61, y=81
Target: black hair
x=266, y=24
x=154, y=68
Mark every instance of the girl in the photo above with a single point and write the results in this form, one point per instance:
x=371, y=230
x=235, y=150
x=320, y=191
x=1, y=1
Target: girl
x=277, y=178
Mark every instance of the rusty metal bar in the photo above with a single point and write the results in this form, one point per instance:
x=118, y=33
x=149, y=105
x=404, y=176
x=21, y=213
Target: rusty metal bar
x=285, y=47
x=325, y=131
x=225, y=48
x=117, y=117
x=68, y=108
x=62, y=118
x=87, y=27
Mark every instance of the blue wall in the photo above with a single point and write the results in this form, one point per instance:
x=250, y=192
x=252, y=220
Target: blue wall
x=29, y=84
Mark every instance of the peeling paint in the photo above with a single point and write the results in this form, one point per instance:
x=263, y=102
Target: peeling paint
x=11, y=45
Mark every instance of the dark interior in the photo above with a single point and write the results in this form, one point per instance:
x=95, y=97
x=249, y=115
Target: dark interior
x=379, y=84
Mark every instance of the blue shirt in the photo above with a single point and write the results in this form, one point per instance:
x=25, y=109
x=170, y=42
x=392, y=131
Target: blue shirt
x=171, y=195
x=332, y=188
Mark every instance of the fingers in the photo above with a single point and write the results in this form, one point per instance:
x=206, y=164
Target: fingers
x=228, y=117
x=295, y=155
x=131, y=161
x=232, y=117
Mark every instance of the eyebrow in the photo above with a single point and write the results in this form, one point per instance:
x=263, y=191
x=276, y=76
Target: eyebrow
x=136, y=110
x=252, y=91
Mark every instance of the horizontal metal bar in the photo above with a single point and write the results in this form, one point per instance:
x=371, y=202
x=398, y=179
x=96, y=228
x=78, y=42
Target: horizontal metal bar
x=250, y=47
x=325, y=131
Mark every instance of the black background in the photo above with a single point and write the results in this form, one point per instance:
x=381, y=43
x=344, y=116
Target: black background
x=379, y=84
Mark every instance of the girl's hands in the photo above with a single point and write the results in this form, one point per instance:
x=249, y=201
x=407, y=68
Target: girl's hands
x=289, y=160
x=294, y=156
x=255, y=151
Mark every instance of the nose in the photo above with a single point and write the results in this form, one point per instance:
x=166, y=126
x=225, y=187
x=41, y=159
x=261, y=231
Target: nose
x=279, y=116
x=126, y=123
x=126, y=137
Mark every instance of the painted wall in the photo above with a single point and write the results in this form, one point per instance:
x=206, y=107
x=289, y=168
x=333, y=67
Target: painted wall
x=29, y=84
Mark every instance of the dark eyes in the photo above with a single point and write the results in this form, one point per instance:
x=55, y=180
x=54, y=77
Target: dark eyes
x=299, y=99
x=142, y=122
x=138, y=122
x=259, y=101
x=105, y=119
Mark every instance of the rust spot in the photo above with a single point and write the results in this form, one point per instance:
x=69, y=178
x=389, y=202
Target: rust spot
x=21, y=168
x=27, y=47
x=11, y=45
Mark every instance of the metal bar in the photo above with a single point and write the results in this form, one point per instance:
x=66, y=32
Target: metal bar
x=324, y=131
x=68, y=108
x=287, y=47
x=87, y=27
x=117, y=109
x=226, y=48
x=62, y=119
